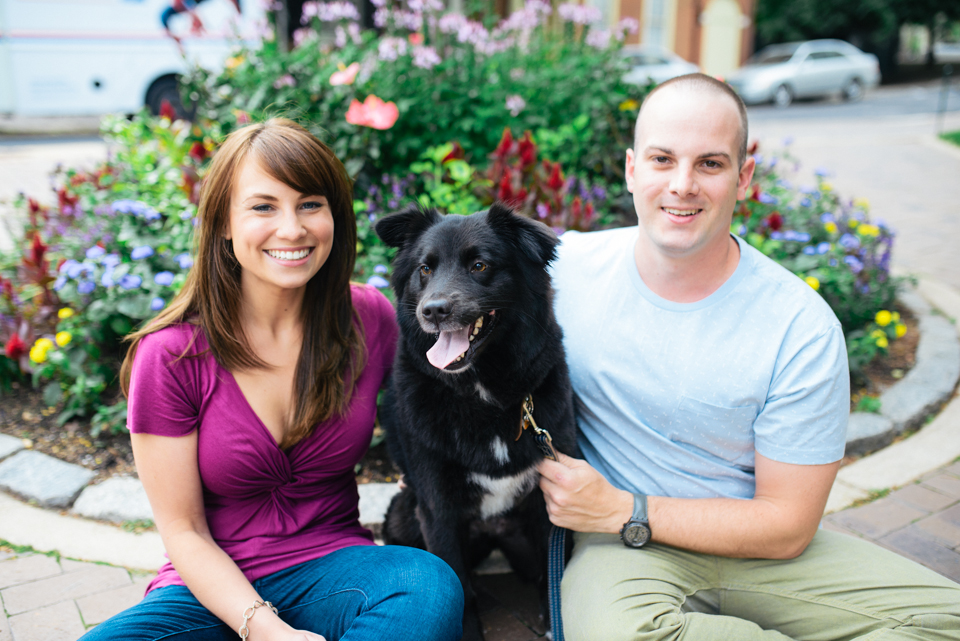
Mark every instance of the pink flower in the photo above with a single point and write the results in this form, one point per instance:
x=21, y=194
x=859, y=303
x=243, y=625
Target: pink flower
x=345, y=76
x=373, y=113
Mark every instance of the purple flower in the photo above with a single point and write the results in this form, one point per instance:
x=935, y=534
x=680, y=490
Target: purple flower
x=143, y=251
x=380, y=269
x=827, y=217
x=773, y=161
x=822, y=172
x=163, y=278
x=823, y=248
x=107, y=279
x=378, y=281
x=777, y=235
x=865, y=289
x=599, y=193
x=806, y=202
x=157, y=304
x=425, y=57
x=86, y=286
x=186, y=214
x=809, y=250
x=184, y=260
x=95, y=252
x=786, y=184
x=798, y=236
x=542, y=210
x=71, y=267
x=767, y=199
x=758, y=158
x=856, y=266
x=111, y=260
x=833, y=262
x=742, y=231
x=130, y=282
x=849, y=241
x=372, y=218
x=59, y=283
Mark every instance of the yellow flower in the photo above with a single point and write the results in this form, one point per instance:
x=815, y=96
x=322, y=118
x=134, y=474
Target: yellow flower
x=831, y=227
x=869, y=230
x=63, y=338
x=882, y=342
x=883, y=318
x=628, y=105
x=861, y=203
x=896, y=317
x=234, y=62
x=853, y=222
x=65, y=312
x=825, y=186
x=38, y=353
x=813, y=281
x=900, y=329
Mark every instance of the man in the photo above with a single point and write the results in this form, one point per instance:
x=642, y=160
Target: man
x=712, y=397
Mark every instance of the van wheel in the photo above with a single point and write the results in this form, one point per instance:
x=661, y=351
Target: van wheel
x=166, y=88
x=782, y=97
x=853, y=90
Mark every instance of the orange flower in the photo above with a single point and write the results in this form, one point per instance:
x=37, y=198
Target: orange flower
x=346, y=75
x=373, y=113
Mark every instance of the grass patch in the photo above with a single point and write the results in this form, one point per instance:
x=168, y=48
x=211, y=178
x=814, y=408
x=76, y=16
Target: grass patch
x=7, y=546
x=138, y=527
x=871, y=496
x=952, y=137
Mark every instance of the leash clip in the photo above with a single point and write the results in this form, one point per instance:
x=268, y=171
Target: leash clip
x=542, y=436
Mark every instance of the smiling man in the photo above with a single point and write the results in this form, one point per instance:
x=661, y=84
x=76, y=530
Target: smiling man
x=712, y=397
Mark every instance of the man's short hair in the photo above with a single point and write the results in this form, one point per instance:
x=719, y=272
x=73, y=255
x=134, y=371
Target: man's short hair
x=703, y=81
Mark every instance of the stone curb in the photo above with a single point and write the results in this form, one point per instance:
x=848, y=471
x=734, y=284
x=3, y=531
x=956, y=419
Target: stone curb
x=903, y=406
x=925, y=388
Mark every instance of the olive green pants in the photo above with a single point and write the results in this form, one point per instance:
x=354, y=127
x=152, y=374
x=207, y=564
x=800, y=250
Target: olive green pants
x=839, y=588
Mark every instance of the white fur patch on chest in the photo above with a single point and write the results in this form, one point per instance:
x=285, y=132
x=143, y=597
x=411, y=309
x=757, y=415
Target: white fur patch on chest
x=502, y=493
x=500, y=451
x=484, y=393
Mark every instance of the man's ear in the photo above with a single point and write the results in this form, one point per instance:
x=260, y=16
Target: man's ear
x=629, y=168
x=535, y=240
x=405, y=226
x=746, y=175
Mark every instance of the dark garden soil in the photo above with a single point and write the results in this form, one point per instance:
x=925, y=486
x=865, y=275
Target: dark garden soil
x=23, y=414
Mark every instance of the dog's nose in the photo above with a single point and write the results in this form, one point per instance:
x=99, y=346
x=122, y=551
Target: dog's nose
x=437, y=311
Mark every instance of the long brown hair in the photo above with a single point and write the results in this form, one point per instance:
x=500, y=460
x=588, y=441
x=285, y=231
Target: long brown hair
x=333, y=352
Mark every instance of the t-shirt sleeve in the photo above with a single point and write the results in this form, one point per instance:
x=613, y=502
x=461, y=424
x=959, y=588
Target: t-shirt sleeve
x=162, y=398
x=804, y=420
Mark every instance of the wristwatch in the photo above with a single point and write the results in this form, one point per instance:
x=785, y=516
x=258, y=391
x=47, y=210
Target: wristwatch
x=635, y=533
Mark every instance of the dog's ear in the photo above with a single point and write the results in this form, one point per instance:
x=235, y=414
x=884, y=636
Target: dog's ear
x=406, y=225
x=533, y=238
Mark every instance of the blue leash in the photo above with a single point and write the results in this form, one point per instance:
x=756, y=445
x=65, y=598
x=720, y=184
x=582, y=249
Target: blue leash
x=556, y=550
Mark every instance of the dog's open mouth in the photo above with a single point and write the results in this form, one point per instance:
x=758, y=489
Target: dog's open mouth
x=454, y=348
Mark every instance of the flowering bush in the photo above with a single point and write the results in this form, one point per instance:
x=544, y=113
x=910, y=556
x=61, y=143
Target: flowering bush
x=435, y=77
x=831, y=243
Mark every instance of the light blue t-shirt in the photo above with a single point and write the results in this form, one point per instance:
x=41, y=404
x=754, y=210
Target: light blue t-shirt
x=673, y=399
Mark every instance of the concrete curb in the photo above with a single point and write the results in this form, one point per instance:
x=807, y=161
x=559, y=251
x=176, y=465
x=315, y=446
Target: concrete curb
x=935, y=445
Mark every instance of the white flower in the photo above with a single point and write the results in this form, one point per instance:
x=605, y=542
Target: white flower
x=579, y=14
x=598, y=38
x=390, y=49
x=425, y=57
x=515, y=104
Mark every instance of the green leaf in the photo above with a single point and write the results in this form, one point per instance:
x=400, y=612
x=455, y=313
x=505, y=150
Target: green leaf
x=52, y=394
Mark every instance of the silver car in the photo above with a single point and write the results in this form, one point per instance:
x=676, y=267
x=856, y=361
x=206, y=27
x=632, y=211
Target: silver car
x=784, y=72
x=654, y=64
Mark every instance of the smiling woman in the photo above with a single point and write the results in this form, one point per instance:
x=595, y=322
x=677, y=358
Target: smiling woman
x=251, y=399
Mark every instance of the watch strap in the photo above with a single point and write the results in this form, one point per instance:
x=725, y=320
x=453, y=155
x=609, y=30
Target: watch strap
x=640, y=508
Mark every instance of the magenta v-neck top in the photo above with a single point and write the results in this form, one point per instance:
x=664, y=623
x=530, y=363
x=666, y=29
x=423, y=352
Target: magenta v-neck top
x=266, y=508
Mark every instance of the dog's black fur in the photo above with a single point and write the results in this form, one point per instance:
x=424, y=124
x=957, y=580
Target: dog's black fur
x=452, y=431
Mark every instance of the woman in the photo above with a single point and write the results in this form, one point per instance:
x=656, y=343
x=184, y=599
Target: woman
x=251, y=399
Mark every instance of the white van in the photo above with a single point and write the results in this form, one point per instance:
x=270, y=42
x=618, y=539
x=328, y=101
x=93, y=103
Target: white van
x=91, y=57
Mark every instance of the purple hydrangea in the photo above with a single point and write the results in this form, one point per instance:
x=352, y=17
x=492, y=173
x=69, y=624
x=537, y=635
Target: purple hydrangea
x=143, y=251
x=378, y=281
x=185, y=260
x=107, y=279
x=809, y=250
x=163, y=278
x=130, y=281
x=59, y=283
x=110, y=260
x=157, y=304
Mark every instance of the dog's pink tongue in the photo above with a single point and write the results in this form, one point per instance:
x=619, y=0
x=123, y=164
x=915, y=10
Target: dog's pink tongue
x=449, y=346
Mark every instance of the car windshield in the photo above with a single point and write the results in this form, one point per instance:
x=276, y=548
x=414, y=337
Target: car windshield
x=772, y=55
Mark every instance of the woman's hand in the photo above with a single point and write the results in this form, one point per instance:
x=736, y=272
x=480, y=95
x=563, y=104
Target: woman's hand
x=300, y=635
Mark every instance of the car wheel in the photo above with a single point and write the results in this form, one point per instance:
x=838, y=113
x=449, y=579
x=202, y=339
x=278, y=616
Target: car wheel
x=853, y=90
x=782, y=97
x=166, y=88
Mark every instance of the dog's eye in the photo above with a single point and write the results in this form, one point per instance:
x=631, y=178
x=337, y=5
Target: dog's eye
x=478, y=267
x=425, y=270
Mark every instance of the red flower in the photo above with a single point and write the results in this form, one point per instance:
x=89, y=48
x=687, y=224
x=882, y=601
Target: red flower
x=415, y=39
x=556, y=178
x=506, y=143
x=528, y=150
x=755, y=192
x=167, y=111
x=456, y=153
x=66, y=200
x=588, y=214
x=16, y=348
x=576, y=210
x=33, y=205
x=752, y=149
x=775, y=221
x=505, y=191
x=37, y=251
x=373, y=113
x=198, y=152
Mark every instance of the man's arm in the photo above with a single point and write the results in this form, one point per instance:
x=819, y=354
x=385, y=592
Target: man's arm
x=778, y=523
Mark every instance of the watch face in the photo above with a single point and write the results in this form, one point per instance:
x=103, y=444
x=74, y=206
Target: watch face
x=636, y=535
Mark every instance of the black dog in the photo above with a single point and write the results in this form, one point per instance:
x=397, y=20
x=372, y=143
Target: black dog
x=477, y=337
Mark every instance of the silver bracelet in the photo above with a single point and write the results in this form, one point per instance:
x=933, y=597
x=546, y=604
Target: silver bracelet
x=248, y=614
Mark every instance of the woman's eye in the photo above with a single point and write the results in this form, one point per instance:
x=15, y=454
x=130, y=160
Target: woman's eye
x=478, y=267
x=425, y=270
x=313, y=205
x=262, y=208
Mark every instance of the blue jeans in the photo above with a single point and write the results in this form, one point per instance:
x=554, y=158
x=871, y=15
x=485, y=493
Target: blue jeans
x=356, y=593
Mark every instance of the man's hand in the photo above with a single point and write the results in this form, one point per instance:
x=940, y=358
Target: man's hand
x=579, y=498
